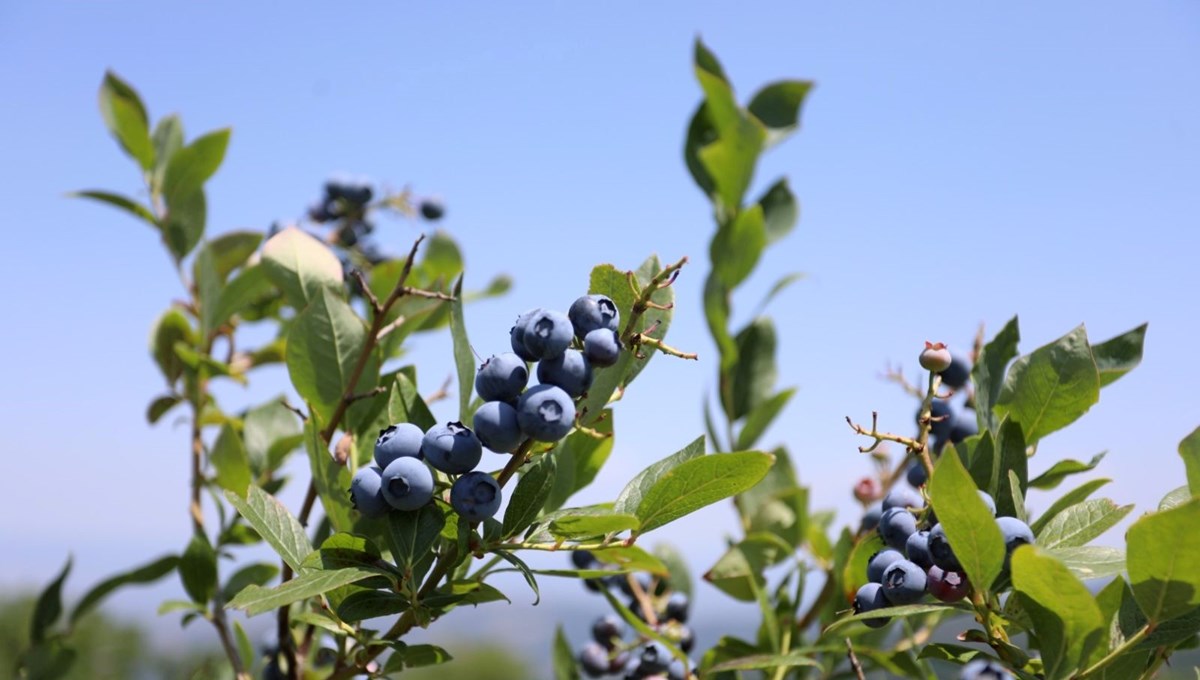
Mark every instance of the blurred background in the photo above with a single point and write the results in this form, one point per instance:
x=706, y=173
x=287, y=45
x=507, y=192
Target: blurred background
x=956, y=165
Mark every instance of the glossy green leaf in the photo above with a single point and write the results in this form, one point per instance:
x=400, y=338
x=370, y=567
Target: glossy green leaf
x=126, y=118
x=232, y=463
x=367, y=603
x=753, y=378
x=700, y=482
x=1080, y=523
x=183, y=224
x=738, y=573
x=1052, y=387
x=405, y=404
x=1189, y=450
x=1065, y=501
x=716, y=313
x=1017, y=498
x=1009, y=457
x=1091, y=561
x=970, y=527
x=677, y=566
x=248, y=288
x=198, y=569
x=160, y=406
x=49, y=606
x=731, y=158
x=563, y=657
x=263, y=427
x=777, y=106
x=631, y=496
x=766, y=662
x=301, y=266
x=167, y=139
x=1176, y=497
x=1163, y=557
x=121, y=202
x=1117, y=356
x=761, y=416
x=324, y=345
x=901, y=612
x=631, y=558
x=191, y=166
x=171, y=328
x=275, y=524
x=533, y=488
x=738, y=245
x=988, y=373
x=230, y=251
x=580, y=523
x=464, y=358
x=854, y=574
x=412, y=535
x=525, y=571
x=578, y=459
x=1062, y=469
x=257, y=574
x=255, y=600
x=416, y=656
x=331, y=479
x=1065, y=617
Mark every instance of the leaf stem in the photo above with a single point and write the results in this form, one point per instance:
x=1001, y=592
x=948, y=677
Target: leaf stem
x=1128, y=644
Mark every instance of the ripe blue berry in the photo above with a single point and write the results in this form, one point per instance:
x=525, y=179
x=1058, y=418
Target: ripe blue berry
x=546, y=413
x=895, y=526
x=475, y=496
x=881, y=561
x=917, y=550
x=602, y=347
x=677, y=607
x=497, y=427
x=584, y=559
x=608, y=630
x=516, y=335
x=593, y=659
x=870, y=519
x=452, y=448
x=957, y=374
x=654, y=657
x=903, y=582
x=1016, y=533
x=901, y=497
x=676, y=671
x=962, y=426
x=407, y=483
x=916, y=474
x=501, y=378
x=399, y=440
x=432, y=209
x=547, y=334
x=947, y=586
x=591, y=312
x=570, y=370
x=939, y=549
x=987, y=500
x=366, y=493
x=687, y=639
x=984, y=669
x=935, y=357
x=868, y=599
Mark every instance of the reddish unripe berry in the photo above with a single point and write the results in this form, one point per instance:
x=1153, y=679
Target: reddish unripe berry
x=935, y=357
x=947, y=586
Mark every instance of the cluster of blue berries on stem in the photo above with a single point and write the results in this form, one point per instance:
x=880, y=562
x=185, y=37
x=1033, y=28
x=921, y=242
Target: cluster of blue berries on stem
x=653, y=601
x=947, y=423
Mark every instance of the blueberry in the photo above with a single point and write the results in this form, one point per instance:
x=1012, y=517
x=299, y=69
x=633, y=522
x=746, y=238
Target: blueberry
x=870, y=519
x=608, y=630
x=547, y=334
x=398, y=441
x=677, y=671
x=962, y=426
x=272, y=671
x=593, y=659
x=895, y=526
x=939, y=549
x=687, y=639
x=935, y=357
x=602, y=347
x=880, y=561
x=475, y=496
x=917, y=549
x=407, y=483
x=984, y=669
x=947, y=586
x=501, y=377
x=903, y=582
x=591, y=312
x=868, y=599
x=452, y=448
x=677, y=607
x=517, y=335
x=584, y=559
x=432, y=209
x=957, y=374
x=546, y=413
x=654, y=658
x=617, y=663
x=987, y=500
x=916, y=474
x=901, y=497
x=939, y=429
x=570, y=370
x=366, y=492
x=1016, y=533
x=633, y=670
x=497, y=427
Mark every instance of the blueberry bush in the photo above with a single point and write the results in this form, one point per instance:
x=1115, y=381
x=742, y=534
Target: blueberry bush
x=405, y=518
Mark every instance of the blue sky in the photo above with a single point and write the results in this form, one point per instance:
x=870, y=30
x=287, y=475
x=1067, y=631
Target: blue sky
x=957, y=164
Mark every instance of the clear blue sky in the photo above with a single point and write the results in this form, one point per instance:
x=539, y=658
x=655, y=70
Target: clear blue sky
x=958, y=164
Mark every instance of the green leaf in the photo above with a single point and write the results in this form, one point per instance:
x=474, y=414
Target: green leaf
x=761, y=416
x=412, y=535
x=167, y=138
x=49, y=606
x=1052, y=387
x=405, y=404
x=533, y=488
x=183, y=224
x=244, y=646
x=988, y=373
x=739, y=572
x=658, y=319
x=640, y=627
x=901, y=612
x=631, y=558
x=1080, y=523
x=1091, y=561
x=580, y=523
x=415, y=656
x=255, y=600
x=1062, y=469
x=1065, y=617
x=147, y=573
x=344, y=550
x=301, y=266
x=700, y=482
x=230, y=251
x=1163, y=556
x=323, y=347
x=368, y=603
x=126, y=118
x=525, y=571
x=265, y=426
x=464, y=359
x=1176, y=497
x=777, y=106
x=198, y=569
x=780, y=214
x=1067, y=500
x=331, y=479
x=677, y=566
x=730, y=159
x=1017, y=498
x=191, y=166
x=738, y=245
x=854, y=574
x=754, y=376
x=564, y=657
x=118, y=201
x=1010, y=457
x=275, y=524
x=970, y=527
x=578, y=459
x=779, y=286
x=170, y=329
x=258, y=574
x=631, y=496
x=1189, y=450
x=716, y=313
x=765, y=662
x=231, y=461
x=1117, y=356
x=160, y=406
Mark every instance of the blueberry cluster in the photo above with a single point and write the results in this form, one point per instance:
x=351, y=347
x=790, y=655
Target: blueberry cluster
x=984, y=669
x=345, y=202
x=639, y=658
x=948, y=423
x=918, y=561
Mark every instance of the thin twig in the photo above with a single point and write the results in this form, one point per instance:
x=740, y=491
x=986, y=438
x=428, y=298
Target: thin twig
x=897, y=376
x=858, y=669
x=880, y=437
x=442, y=392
